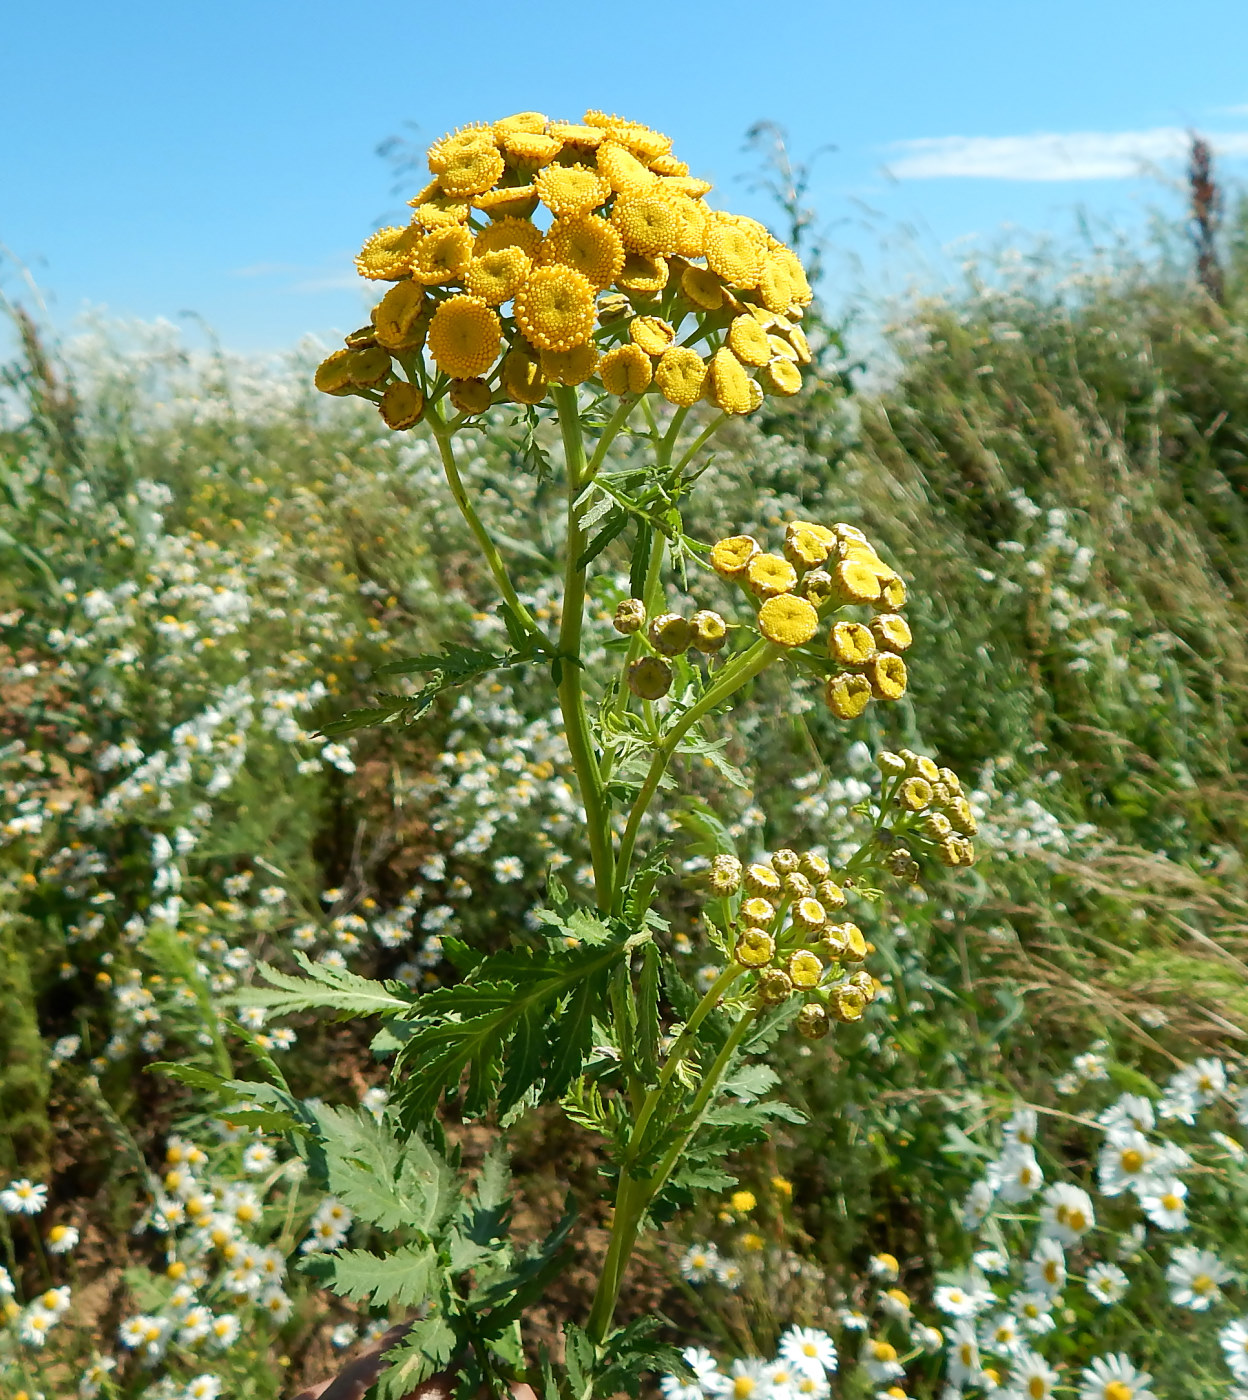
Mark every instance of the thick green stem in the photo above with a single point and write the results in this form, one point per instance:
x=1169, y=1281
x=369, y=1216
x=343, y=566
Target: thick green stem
x=571, y=697
x=734, y=675
x=492, y=557
x=610, y=431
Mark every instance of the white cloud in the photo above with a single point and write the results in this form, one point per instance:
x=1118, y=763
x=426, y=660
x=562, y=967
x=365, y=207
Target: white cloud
x=1076, y=155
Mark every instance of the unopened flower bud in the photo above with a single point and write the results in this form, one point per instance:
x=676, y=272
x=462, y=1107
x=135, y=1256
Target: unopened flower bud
x=755, y=948
x=891, y=632
x=757, y=912
x=936, y=826
x=812, y=1021
x=784, y=861
x=810, y=915
x=724, y=876
x=612, y=307
x=892, y=765
x=670, y=634
x=797, y=886
x=650, y=677
x=402, y=405
x=805, y=970
x=951, y=781
x=762, y=879
x=773, y=987
x=629, y=617
x=845, y=942
x=959, y=813
x=817, y=587
x=915, y=794
x=709, y=631
x=470, y=396
x=830, y=895
x=814, y=867
x=922, y=765
x=847, y=1003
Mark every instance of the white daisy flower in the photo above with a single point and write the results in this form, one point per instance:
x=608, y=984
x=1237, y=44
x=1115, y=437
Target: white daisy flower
x=991, y=1261
x=976, y=1206
x=1067, y=1213
x=808, y=1349
x=1020, y=1128
x=781, y=1378
x=1234, y=1340
x=195, y=1325
x=884, y=1267
x=674, y=1388
x=808, y=1386
x=1031, y=1377
x=931, y=1339
x=1166, y=1207
x=747, y=1380
x=955, y=1301
x=223, y=1331
x=1132, y=1113
x=700, y=1263
x=1045, y=1271
x=706, y=1369
x=258, y=1158
x=852, y=1320
x=895, y=1302
x=1126, y=1163
x=1114, y=1378
x=1106, y=1282
x=880, y=1360
x=61, y=1239
x=1016, y=1175
x=93, y=1378
x=1090, y=1066
x=1001, y=1335
x=205, y=1387
x=1194, y=1275
x=728, y=1272
x=37, y=1321
x=342, y=1336
x=274, y=1302
x=23, y=1198
x=963, y=1353
x=1034, y=1312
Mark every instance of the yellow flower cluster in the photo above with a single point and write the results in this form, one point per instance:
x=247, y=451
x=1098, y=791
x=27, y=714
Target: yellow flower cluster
x=561, y=252
x=932, y=804
x=822, y=570
x=786, y=929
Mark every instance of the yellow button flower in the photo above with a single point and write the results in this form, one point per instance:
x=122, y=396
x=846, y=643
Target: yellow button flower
x=573, y=366
x=851, y=643
x=681, y=375
x=732, y=252
x=709, y=631
x=754, y=948
x=643, y=275
x=386, y=255
x=729, y=384
x=586, y=243
x=730, y=558
x=555, y=308
x=847, y=695
x=571, y=189
x=471, y=396
x=887, y=675
x=891, y=632
x=653, y=334
x=788, y=620
x=702, y=287
x=402, y=405
x=442, y=256
x=397, y=316
x=464, y=337
x=769, y=575
x=509, y=232
x=625, y=370
x=748, y=341
x=498, y=276
x=804, y=969
x=648, y=223
x=762, y=880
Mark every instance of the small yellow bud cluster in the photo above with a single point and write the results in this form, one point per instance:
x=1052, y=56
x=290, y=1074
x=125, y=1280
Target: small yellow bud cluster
x=786, y=930
x=627, y=259
x=932, y=806
x=822, y=570
x=670, y=635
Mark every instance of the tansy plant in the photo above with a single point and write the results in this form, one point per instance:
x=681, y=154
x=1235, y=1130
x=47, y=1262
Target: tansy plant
x=575, y=270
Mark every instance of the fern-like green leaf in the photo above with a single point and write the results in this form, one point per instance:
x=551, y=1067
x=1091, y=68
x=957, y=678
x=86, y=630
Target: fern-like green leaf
x=329, y=988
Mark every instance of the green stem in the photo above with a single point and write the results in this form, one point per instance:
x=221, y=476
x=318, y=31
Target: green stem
x=734, y=675
x=696, y=446
x=443, y=435
x=571, y=697
x=634, y=1197
x=610, y=432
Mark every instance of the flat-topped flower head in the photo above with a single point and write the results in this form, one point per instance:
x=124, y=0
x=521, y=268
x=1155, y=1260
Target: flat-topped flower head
x=607, y=201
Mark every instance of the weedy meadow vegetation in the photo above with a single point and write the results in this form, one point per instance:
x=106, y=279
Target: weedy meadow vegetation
x=587, y=892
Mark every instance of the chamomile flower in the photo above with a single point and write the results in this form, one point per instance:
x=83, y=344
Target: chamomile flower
x=977, y=1205
x=700, y=1263
x=1020, y=1128
x=258, y=1157
x=747, y=1380
x=1016, y=1175
x=884, y=1267
x=879, y=1358
x=1106, y=1282
x=37, y=1321
x=1126, y=1163
x=991, y=1261
x=1132, y=1113
x=1166, y=1206
x=677, y=1388
x=963, y=1353
x=781, y=1378
x=1067, y=1213
x=23, y=1198
x=1194, y=1276
x=223, y=1331
x=205, y=1387
x=1045, y=1271
x=1031, y=1377
x=93, y=1378
x=1234, y=1342
x=61, y=1239
x=1001, y=1335
x=1034, y=1311
x=808, y=1349
x=728, y=1273
x=1114, y=1378
x=705, y=1369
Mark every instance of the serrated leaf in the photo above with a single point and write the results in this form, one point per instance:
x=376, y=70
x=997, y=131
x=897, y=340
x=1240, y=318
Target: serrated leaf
x=648, y=1013
x=324, y=988
x=749, y=1082
x=404, y=1277
x=386, y=1182
x=428, y=1346
x=366, y=717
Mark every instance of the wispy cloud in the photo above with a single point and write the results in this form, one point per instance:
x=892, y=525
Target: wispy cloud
x=1076, y=155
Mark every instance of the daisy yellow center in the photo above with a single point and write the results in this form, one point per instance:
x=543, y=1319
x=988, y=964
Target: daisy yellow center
x=1131, y=1160
x=743, y=1387
x=1117, y=1390
x=1205, y=1083
x=1076, y=1219
x=1170, y=1201
x=1050, y=1271
x=810, y=1349
x=884, y=1351
x=1004, y=1334
x=966, y=1353
x=1202, y=1284
x=1030, y=1310
x=1036, y=1388
x=699, y=1261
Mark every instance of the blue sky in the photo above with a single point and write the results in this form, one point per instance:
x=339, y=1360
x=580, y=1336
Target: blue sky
x=219, y=158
